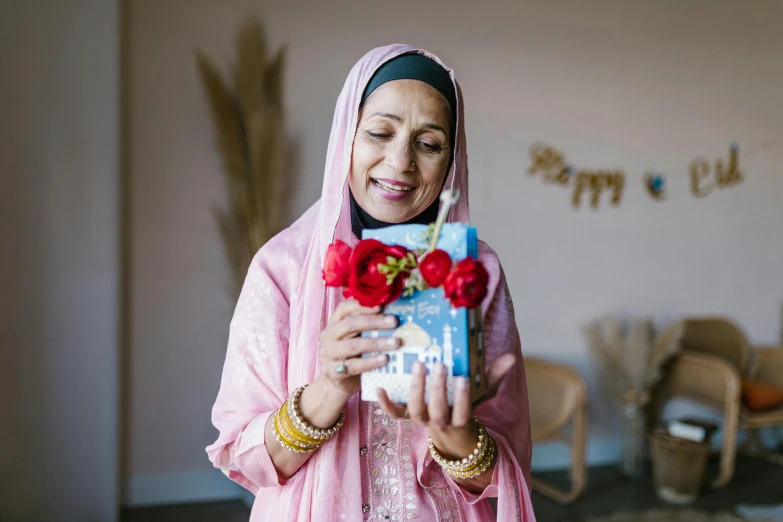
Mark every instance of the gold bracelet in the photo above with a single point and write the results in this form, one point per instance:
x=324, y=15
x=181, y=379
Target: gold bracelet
x=306, y=428
x=285, y=441
x=288, y=426
x=294, y=433
x=292, y=437
x=469, y=462
x=482, y=467
x=474, y=464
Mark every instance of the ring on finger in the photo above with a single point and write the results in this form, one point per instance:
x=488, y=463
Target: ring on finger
x=405, y=413
x=341, y=368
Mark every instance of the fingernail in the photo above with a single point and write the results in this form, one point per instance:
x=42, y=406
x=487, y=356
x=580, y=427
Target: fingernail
x=391, y=341
x=390, y=320
x=463, y=383
x=418, y=368
x=439, y=369
x=381, y=358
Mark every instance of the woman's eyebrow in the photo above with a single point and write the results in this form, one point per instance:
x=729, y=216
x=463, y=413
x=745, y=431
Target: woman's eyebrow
x=435, y=126
x=432, y=126
x=387, y=115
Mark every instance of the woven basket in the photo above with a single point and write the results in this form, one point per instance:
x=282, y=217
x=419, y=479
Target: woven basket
x=678, y=467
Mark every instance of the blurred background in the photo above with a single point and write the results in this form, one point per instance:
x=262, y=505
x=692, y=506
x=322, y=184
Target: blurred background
x=115, y=310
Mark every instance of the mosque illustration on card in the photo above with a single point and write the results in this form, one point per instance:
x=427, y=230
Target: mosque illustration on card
x=432, y=332
x=419, y=346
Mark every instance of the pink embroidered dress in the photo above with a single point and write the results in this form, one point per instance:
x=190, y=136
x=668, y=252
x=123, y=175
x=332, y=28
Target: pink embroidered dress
x=376, y=467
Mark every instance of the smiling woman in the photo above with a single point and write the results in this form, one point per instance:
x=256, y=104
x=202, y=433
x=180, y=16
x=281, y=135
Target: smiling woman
x=401, y=151
x=292, y=427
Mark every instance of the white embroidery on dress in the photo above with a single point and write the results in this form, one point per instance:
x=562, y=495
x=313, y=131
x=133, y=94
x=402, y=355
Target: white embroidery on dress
x=445, y=504
x=392, y=473
x=389, y=510
x=384, y=478
x=408, y=472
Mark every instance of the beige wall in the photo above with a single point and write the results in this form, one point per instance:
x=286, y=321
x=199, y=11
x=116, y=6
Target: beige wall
x=59, y=271
x=643, y=84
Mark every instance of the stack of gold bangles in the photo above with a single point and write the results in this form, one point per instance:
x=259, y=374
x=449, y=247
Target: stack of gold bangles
x=474, y=464
x=294, y=433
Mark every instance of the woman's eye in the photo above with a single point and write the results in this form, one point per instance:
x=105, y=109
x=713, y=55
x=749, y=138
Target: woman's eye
x=429, y=147
x=378, y=135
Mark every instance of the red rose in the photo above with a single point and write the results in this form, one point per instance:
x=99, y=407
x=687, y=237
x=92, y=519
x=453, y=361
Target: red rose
x=435, y=267
x=337, y=264
x=397, y=251
x=467, y=284
x=366, y=283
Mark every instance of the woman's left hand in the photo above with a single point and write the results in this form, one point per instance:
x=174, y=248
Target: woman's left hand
x=453, y=431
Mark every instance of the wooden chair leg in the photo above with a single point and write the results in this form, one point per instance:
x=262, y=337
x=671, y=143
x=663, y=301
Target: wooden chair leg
x=577, y=471
x=729, y=445
x=579, y=453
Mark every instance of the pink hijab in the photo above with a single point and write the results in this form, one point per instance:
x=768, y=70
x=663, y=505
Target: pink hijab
x=273, y=344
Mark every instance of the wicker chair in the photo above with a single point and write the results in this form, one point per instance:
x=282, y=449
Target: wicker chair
x=709, y=370
x=560, y=401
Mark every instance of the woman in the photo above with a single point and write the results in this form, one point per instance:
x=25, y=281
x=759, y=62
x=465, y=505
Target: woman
x=397, y=139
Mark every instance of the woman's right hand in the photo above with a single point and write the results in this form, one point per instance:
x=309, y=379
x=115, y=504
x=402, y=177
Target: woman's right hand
x=324, y=399
x=341, y=343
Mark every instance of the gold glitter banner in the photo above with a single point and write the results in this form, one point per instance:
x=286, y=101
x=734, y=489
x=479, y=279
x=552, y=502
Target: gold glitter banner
x=591, y=183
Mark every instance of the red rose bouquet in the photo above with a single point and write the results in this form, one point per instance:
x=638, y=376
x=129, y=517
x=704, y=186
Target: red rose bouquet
x=377, y=274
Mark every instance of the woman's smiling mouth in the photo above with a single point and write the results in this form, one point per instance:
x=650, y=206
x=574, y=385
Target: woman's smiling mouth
x=391, y=189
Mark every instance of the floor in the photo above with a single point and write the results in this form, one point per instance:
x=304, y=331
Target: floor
x=234, y=511
x=755, y=482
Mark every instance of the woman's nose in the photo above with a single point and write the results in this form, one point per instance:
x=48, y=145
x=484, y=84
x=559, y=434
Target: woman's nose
x=400, y=156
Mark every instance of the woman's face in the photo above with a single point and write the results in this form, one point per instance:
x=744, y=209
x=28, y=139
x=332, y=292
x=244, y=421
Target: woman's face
x=401, y=150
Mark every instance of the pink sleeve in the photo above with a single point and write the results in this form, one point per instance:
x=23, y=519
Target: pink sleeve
x=253, y=384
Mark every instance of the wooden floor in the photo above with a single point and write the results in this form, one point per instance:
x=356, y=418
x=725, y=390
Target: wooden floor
x=755, y=482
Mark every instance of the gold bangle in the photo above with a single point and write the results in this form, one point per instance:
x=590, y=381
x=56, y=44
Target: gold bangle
x=281, y=437
x=471, y=461
x=480, y=469
x=292, y=432
x=285, y=441
x=293, y=441
x=306, y=428
x=474, y=464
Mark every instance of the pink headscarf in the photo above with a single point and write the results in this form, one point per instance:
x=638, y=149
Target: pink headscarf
x=274, y=339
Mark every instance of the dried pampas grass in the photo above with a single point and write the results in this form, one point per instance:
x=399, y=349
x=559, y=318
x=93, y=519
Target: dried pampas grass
x=630, y=366
x=248, y=118
x=630, y=363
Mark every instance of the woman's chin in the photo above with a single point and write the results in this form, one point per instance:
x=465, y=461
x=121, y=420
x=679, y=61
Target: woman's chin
x=392, y=212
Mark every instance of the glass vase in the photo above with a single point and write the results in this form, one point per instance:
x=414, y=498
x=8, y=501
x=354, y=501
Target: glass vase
x=632, y=458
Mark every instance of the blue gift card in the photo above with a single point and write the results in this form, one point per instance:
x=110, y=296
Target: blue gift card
x=432, y=331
